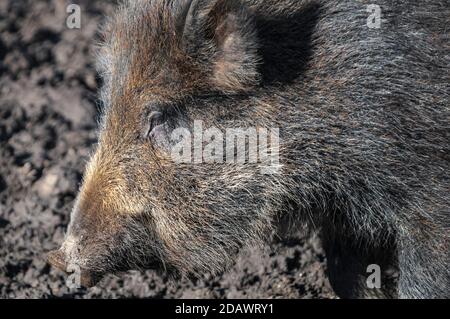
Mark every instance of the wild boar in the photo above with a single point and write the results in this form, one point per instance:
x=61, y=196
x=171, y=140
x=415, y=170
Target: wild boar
x=362, y=113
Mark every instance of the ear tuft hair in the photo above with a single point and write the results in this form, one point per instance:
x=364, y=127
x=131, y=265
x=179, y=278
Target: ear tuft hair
x=223, y=34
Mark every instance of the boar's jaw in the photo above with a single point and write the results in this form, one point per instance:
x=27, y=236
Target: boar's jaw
x=57, y=259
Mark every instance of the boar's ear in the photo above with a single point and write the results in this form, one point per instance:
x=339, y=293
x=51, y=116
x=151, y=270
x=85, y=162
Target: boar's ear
x=222, y=35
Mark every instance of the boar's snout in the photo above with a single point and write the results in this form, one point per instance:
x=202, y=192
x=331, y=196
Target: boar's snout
x=56, y=259
x=86, y=278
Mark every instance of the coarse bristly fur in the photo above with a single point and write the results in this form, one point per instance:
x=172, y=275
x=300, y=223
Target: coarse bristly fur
x=364, y=139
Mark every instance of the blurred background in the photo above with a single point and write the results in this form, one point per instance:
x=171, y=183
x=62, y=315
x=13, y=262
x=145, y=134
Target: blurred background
x=48, y=120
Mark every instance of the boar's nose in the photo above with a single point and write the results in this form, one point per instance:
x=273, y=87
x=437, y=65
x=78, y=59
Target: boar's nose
x=56, y=258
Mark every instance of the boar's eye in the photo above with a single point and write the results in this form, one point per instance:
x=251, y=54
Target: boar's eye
x=153, y=125
x=156, y=129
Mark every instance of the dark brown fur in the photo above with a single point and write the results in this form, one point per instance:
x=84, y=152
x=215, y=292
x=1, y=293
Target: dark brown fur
x=363, y=117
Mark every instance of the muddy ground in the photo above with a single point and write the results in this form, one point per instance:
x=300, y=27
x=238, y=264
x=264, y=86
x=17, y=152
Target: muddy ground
x=48, y=120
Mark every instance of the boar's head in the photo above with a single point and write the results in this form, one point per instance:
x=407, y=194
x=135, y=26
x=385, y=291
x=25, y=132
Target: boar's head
x=166, y=64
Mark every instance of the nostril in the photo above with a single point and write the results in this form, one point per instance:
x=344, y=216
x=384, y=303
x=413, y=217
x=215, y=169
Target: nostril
x=57, y=260
x=86, y=278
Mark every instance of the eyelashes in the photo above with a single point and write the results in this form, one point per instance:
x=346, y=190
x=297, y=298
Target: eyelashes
x=154, y=123
x=158, y=121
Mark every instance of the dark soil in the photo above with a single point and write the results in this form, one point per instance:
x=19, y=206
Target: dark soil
x=48, y=120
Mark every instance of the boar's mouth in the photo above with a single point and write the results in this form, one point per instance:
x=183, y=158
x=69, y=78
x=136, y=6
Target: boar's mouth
x=87, y=278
